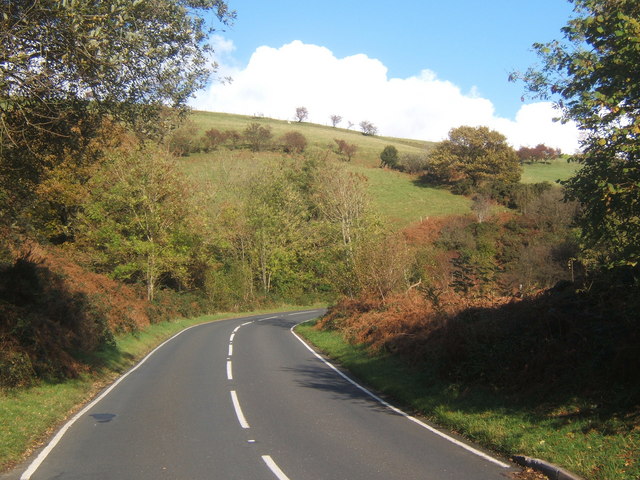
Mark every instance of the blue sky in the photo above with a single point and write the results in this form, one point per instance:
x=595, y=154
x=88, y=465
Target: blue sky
x=471, y=45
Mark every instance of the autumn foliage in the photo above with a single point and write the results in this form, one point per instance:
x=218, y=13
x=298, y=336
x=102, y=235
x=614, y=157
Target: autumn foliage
x=55, y=314
x=522, y=345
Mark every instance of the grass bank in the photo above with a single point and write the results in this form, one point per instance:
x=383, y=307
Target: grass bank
x=567, y=435
x=28, y=416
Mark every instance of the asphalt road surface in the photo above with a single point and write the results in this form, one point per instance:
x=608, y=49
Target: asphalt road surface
x=246, y=399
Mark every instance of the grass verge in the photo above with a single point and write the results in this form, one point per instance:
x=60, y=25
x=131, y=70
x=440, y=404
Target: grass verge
x=28, y=416
x=566, y=435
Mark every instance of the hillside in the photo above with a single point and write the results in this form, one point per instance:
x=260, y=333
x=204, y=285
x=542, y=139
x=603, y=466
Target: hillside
x=397, y=196
x=320, y=136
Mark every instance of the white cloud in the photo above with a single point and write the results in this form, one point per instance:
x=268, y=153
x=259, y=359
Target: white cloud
x=277, y=80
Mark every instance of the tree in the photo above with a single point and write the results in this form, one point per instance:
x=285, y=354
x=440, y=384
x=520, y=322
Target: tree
x=593, y=77
x=346, y=149
x=257, y=136
x=278, y=240
x=368, y=128
x=342, y=199
x=389, y=157
x=538, y=153
x=481, y=206
x=335, y=120
x=474, y=156
x=67, y=65
x=302, y=114
x=136, y=220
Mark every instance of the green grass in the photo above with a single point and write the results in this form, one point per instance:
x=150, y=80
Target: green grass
x=402, y=200
x=551, y=172
x=597, y=448
x=28, y=416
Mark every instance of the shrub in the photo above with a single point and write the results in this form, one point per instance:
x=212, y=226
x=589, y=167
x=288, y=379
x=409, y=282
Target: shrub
x=345, y=149
x=258, y=137
x=389, y=157
x=213, y=138
x=184, y=140
x=412, y=163
x=293, y=142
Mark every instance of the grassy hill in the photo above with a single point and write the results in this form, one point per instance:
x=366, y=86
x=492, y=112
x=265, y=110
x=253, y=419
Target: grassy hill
x=322, y=136
x=397, y=196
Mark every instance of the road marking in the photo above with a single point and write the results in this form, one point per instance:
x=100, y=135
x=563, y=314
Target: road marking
x=268, y=318
x=229, y=370
x=300, y=313
x=233, y=335
x=274, y=468
x=246, y=323
x=231, y=349
x=239, y=414
x=400, y=412
x=58, y=436
x=236, y=329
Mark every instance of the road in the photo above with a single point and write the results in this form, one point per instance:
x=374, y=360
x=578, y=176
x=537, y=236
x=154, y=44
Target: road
x=246, y=399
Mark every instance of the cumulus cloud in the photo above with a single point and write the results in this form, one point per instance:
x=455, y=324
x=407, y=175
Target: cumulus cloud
x=277, y=80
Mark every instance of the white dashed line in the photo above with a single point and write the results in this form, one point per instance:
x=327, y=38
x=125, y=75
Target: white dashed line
x=231, y=349
x=229, y=370
x=239, y=414
x=268, y=318
x=233, y=335
x=274, y=468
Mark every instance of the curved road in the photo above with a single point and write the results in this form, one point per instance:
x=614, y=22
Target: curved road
x=246, y=399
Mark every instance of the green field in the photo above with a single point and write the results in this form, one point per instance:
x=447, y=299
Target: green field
x=402, y=200
x=551, y=172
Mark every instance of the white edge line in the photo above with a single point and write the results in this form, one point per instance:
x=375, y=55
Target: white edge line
x=229, y=370
x=274, y=468
x=236, y=405
x=400, y=412
x=58, y=436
